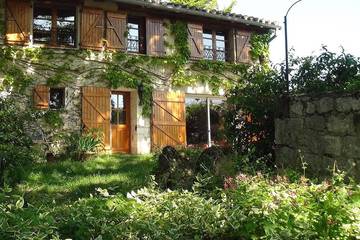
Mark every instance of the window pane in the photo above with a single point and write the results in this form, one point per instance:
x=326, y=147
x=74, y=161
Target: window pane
x=121, y=102
x=133, y=37
x=66, y=27
x=57, y=98
x=42, y=25
x=114, y=103
x=122, y=117
x=220, y=46
x=114, y=119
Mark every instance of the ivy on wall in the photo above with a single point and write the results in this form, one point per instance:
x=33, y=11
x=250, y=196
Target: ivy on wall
x=22, y=67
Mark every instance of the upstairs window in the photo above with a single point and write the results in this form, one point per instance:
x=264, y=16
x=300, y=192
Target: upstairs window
x=136, y=35
x=54, y=26
x=214, y=45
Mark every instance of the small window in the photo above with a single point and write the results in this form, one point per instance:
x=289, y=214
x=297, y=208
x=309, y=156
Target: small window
x=214, y=45
x=136, y=35
x=57, y=98
x=118, y=111
x=54, y=26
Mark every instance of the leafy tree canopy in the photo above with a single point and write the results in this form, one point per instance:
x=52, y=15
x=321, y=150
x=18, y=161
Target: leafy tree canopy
x=205, y=4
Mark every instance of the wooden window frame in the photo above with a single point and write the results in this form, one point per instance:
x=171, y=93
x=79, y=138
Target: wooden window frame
x=214, y=33
x=140, y=21
x=55, y=8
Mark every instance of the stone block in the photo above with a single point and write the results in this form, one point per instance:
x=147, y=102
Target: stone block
x=310, y=108
x=315, y=123
x=351, y=147
x=355, y=104
x=332, y=145
x=286, y=157
x=312, y=142
x=296, y=109
x=343, y=104
x=325, y=105
x=341, y=124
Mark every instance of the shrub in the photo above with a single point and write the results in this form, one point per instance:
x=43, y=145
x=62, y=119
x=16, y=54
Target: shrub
x=79, y=145
x=16, y=152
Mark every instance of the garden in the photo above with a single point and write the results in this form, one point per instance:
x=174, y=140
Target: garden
x=232, y=191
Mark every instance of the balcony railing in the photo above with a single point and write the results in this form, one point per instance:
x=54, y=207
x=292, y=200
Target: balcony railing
x=210, y=54
x=133, y=45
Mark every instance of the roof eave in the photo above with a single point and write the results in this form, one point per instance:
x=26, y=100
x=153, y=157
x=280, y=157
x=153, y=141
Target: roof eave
x=206, y=14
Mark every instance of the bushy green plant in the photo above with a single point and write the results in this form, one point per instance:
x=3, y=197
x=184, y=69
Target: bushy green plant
x=251, y=115
x=16, y=152
x=80, y=144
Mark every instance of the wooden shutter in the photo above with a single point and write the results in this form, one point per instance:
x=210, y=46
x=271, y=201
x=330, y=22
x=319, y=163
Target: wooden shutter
x=96, y=111
x=243, y=47
x=115, y=30
x=168, y=119
x=92, y=28
x=155, y=37
x=41, y=97
x=18, y=21
x=196, y=43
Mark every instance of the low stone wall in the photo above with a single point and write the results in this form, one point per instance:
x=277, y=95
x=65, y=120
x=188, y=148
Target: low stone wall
x=320, y=132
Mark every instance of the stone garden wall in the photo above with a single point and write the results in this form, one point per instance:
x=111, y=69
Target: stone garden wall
x=319, y=132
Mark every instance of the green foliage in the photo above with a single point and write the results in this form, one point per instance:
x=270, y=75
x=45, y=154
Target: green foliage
x=84, y=200
x=182, y=51
x=260, y=49
x=78, y=145
x=14, y=77
x=204, y=4
x=61, y=76
x=250, y=119
x=53, y=119
x=327, y=72
x=16, y=152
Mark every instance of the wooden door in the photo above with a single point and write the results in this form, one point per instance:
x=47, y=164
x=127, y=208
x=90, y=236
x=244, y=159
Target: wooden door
x=96, y=111
x=168, y=120
x=120, y=122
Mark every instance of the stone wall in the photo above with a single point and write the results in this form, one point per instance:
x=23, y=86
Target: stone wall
x=320, y=131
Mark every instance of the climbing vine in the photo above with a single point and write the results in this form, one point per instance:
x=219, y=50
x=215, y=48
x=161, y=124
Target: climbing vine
x=22, y=67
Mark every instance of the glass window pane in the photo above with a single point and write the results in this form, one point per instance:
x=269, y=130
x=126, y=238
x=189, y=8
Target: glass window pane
x=133, y=37
x=114, y=103
x=121, y=102
x=114, y=119
x=66, y=27
x=57, y=98
x=122, y=117
x=42, y=25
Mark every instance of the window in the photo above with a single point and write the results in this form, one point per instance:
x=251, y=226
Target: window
x=118, y=111
x=54, y=26
x=214, y=45
x=136, y=35
x=57, y=98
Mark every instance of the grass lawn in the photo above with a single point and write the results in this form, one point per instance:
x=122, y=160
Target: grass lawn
x=67, y=181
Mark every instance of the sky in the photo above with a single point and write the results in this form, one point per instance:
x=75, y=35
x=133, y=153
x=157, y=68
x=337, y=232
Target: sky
x=311, y=24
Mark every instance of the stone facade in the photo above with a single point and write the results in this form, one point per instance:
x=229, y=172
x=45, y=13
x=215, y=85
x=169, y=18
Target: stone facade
x=320, y=131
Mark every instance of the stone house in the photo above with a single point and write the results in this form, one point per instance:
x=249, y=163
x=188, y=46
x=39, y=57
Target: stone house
x=112, y=64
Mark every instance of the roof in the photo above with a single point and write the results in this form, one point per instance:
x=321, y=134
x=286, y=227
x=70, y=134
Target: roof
x=214, y=14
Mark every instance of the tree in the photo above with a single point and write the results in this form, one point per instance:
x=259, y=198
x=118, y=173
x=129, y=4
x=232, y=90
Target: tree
x=205, y=4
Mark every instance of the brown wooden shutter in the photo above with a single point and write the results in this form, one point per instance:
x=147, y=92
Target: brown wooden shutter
x=92, y=28
x=155, y=37
x=196, y=43
x=243, y=47
x=41, y=97
x=96, y=111
x=18, y=21
x=168, y=119
x=115, y=30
